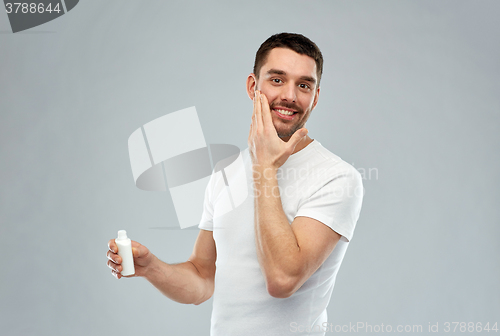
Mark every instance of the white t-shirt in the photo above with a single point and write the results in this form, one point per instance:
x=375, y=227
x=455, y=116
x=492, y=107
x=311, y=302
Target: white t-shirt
x=314, y=183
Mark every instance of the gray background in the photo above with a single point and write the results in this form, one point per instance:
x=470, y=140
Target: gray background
x=410, y=88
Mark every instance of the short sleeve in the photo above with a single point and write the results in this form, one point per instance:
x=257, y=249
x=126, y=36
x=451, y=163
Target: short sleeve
x=336, y=203
x=207, y=217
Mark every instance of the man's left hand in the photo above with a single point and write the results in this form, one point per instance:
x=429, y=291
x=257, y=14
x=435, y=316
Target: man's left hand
x=267, y=150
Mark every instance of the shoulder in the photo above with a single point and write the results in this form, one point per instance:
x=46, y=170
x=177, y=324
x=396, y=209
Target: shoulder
x=333, y=165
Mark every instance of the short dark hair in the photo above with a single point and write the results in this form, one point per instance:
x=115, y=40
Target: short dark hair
x=296, y=42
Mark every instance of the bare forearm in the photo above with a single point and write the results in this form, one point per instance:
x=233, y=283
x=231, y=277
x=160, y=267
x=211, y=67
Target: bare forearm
x=277, y=247
x=179, y=282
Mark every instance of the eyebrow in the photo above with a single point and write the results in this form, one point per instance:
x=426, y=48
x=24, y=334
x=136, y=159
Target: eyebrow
x=281, y=72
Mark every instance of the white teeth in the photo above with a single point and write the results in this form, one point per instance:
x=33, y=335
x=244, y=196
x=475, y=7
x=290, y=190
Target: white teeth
x=285, y=112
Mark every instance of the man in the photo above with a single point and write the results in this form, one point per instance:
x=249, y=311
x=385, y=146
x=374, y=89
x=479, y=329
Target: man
x=271, y=263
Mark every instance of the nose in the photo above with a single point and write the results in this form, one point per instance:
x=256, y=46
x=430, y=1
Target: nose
x=288, y=93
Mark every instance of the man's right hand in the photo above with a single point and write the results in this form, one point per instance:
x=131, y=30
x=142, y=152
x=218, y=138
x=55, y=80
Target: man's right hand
x=142, y=259
x=190, y=282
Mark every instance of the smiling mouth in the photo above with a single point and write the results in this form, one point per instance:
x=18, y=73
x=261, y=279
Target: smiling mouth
x=284, y=114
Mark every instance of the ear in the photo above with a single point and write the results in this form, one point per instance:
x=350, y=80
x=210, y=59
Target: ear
x=251, y=85
x=316, y=96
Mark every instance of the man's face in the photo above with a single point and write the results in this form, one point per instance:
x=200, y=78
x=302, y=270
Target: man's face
x=289, y=81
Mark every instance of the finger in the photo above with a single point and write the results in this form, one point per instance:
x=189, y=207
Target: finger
x=112, y=246
x=296, y=138
x=258, y=112
x=116, y=274
x=250, y=134
x=252, y=124
x=114, y=267
x=254, y=112
x=139, y=251
x=266, y=113
x=114, y=257
x=135, y=244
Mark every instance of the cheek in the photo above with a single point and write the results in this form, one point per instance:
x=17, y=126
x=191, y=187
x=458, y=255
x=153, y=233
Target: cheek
x=269, y=90
x=270, y=95
x=307, y=103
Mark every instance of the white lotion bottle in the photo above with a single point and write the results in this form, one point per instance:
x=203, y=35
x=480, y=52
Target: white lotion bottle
x=125, y=252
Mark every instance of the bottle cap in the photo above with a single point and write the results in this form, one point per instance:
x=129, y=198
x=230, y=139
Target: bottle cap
x=122, y=234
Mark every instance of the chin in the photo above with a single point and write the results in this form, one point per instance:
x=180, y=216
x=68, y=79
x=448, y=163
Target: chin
x=285, y=133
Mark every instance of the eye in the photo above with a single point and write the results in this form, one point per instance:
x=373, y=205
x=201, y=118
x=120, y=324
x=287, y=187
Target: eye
x=276, y=80
x=304, y=86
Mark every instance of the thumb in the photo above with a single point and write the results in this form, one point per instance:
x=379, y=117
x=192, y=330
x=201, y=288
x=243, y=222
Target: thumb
x=297, y=137
x=139, y=250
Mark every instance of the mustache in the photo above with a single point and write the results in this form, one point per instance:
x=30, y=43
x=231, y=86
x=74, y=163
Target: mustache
x=288, y=105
